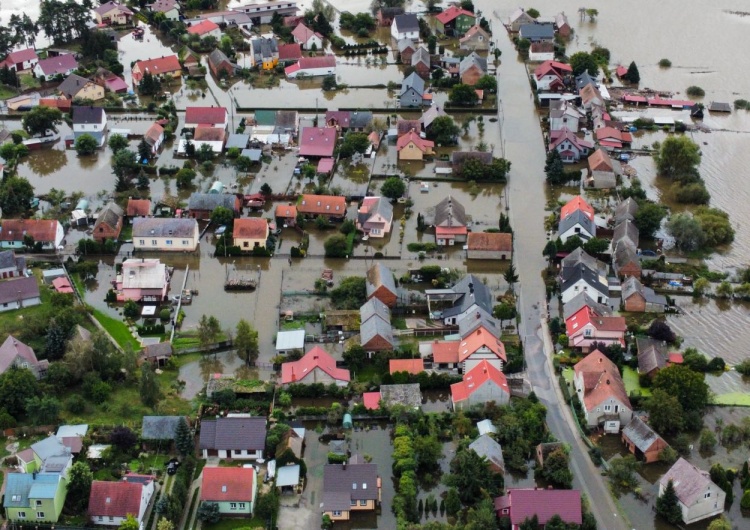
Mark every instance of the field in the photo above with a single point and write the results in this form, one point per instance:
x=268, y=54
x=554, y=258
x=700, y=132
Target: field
x=632, y=385
x=118, y=330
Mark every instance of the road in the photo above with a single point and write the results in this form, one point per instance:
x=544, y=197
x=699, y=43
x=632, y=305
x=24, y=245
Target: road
x=523, y=145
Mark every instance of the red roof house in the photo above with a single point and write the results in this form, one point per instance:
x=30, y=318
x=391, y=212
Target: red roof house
x=521, y=504
x=317, y=141
x=20, y=60
x=411, y=146
x=312, y=66
x=481, y=345
x=602, y=392
x=675, y=358
x=325, y=205
x=412, y=366
x=169, y=65
x=289, y=52
x=621, y=71
x=317, y=366
x=481, y=384
x=286, y=214
x=203, y=28
x=445, y=352
x=48, y=232
x=371, y=400
x=570, y=146
x=230, y=485
x=111, y=502
x=613, y=138
x=585, y=327
x=211, y=116
x=547, y=67
x=575, y=204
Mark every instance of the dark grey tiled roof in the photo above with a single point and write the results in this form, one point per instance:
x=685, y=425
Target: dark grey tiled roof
x=582, y=272
x=162, y=227
x=487, y=447
x=450, y=212
x=414, y=82
x=626, y=210
x=481, y=296
x=159, y=427
x=87, y=115
x=374, y=307
x=211, y=201
x=234, y=433
x=578, y=218
x=479, y=318
x=110, y=214
x=406, y=22
x=640, y=434
x=380, y=275
x=353, y=482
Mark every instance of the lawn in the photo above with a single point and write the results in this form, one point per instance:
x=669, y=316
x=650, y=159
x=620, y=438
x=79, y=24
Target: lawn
x=632, y=385
x=568, y=375
x=231, y=524
x=739, y=399
x=29, y=81
x=118, y=330
x=6, y=92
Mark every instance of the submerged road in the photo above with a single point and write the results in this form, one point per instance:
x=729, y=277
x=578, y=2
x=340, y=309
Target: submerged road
x=523, y=145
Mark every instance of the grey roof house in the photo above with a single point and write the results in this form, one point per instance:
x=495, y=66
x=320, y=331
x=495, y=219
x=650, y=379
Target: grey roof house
x=412, y=91
x=462, y=299
x=487, y=447
x=238, y=437
x=626, y=210
x=380, y=284
x=638, y=297
x=351, y=486
x=479, y=318
x=578, y=224
x=159, y=427
x=537, y=32
x=698, y=496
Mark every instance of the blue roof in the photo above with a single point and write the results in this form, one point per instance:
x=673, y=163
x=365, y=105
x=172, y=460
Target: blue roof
x=252, y=154
x=20, y=487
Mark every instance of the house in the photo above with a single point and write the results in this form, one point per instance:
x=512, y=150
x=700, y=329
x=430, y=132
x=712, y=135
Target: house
x=307, y=38
x=642, y=441
x=71, y=436
x=262, y=13
x=154, y=137
x=602, y=172
x=110, y=503
x=519, y=18
x=34, y=497
x=237, y=437
x=406, y=49
x=113, y=14
x=430, y=115
x=625, y=261
x=157, y=354
x=602, y=393
x=219, y=64
x=288, y=341
x=170, y=8
x=626, y=210
x=250, y=233
x=385, y=15
x=570, y=147
x=520, y=504
x=652, y=355
x=412, y=91
x=91, y=121
x=486, y=245
x=486, y=427
x=233, y=490
x=450, y=222
x=11, y=266
x=216, y=117
x=698, y=496
x=420, y=61
x=480, y=318
x=312, y=67
x=579, y=279
x=77, y=87
x=108, y=223
x=563, y=113
x=19, y=293
x=468, y=294
x=481, y=384
x=537, y=32
x=479, y=346
x=265, y=52
x=20, y=60
x=213, y=137
x=405, y=26
x=47, y=232
x=641, y=299
x=410, y=366
x=318, y=142
x=471, y=68
x=585, y=79
x=168, y=66
x=289, y=53
x=201, y=205
x=142, y=280
x=611, y=138
x=486, y=447
x=16, y=354
x=562, y=26
x=165, y=234
x=317, y=366
x=205, y=28
x=591, y=97
x=626, y=233
x=349, y=487
x=454, y=21
x=375, y=329
x=285, y=215
x=330, y=206
x=542, y=51
x=475, y=40
x=579, y=256
x=550, y=75
x=380, y=284
x=338, y=118
x=411, y=146
x=576, y=224
x=585, y=328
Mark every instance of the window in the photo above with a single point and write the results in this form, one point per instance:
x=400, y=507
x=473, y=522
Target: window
x=242, y=506
x=111, y=518
x=141, y=242
x=153, y=242
x=38, y=503
x=354, y=503
x=169, y=241
x=587, y=332
x=607, y=408
x=101, y=518
x=232, y=505
x=16, y=498
x=40, y=515
x=245, y=244
x=336, y=513
x=363, y=503
x=707, y=495
x=185, y=242
x=22, y=515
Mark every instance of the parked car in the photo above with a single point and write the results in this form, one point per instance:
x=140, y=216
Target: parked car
x=172, y=466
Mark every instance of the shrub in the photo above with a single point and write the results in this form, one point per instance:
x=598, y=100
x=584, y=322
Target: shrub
x=665, y=63
x=695, y=91
x=75, y=404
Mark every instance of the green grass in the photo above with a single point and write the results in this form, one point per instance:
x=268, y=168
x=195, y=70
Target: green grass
x=739, y=399
x=232, y=524
x=632, y=384
x=118, y=330
x=6, y=92
x=29, y=81
x=568, y=375
x=292, y=325
x=192, y=505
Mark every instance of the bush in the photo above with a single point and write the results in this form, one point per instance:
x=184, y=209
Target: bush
x=695, y=91
x=75, y=404
x=665, y=63
x=421, y=247
x=741, y=104
x=164, y=314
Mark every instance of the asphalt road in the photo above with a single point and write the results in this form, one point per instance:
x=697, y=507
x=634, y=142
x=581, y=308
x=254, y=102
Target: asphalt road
x=523, y=145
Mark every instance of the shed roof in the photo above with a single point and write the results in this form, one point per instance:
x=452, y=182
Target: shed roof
x=638, y=432
x=290, y=340
x=159, y=427
x=487, y=447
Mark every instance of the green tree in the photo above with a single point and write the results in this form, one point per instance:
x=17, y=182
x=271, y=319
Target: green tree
x=209, y=330
x=592, y=14
x=183, y=438
x=149, y=386
x=144, y=151
x=707, y=440
x=393, y=188
x=665, y=413
x=715, y=225
x=355, y=357
x=487, y=82
x=667, y=505
x=700, y=285
x=510, y=276
x=584, y=62
x=556, y=470
x=131, y=309
x=523, y=45
x=41, y=119
x=246, y=342
x=476, y=170
x=533, y=13
x=550, y=251
x=722, y=523
x=208, y=512
x=205, y=153
x=596, y=245
x=354, y=142
x=622, y=473
x=633, y=75
x=17, y=386
x=43, y=410
x=687, y=231
x=724, y=290
x=444, y=131
x=504, y=311
x=336, y=246
x=150, y=85
x=185, y=177
x=482, y=516
x=15, y=196
x=530, y=523
x=351, y=293
x=124, y=163
x=329, y=83
x=472, y=477
x=648, y=218
x=80, y=478
x=554, y=169
x=678, y=158
x=117, y=142
x=687, y=386
x=452, y=502
x=164, y=524
x=86, y=145
x=463, y=95
x=130, y=523
x=222, y=216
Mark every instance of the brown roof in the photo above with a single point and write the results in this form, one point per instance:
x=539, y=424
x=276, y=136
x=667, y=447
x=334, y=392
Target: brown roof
x=116, y=499
x=250, y=228
x=209, y=134
x=600, y=161
x=227, y=484
x=601, y=379
x=138, y=207
x=286, y=211
x=153, y=134
x=322, y=204
x=43, y=230
x=490, y=241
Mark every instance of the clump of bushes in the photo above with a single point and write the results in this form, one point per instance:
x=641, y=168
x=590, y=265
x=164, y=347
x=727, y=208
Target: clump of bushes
x=665, y=63
x=695, y=91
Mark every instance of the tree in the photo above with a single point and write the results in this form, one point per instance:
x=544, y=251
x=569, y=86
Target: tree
x=355, y=357
x=722, y=523
x=678, y=158
x=16, y=194
x=632, y=75
x=622, y=473
x=556, y=470
x=700, y=285
x=17, y=386
x=208, y=512
x=487, y=82
x=660, y=330
x=144, y=151
x=687, y=231
x=117, y=142
x=43, y=410
x=595, y=246
x=149, y=386
x=510, y=276
x=592, y=14
x=183, y=438
x=554, y=169
x=715, y=225
x=354, y=142
x=687, y=386
x=584, y=62
x=209, y=329
x=472, y=477
x=724, y=290
x=336, y=246
x=482, y=516
x=665, y=413
x=131, y=309
x=164, y=524
x=648, y=218
x=329, y=83
x=707, y=440
x=393, y=188
x=185, y=177
x=150, y=85
x=452, y=502
x=351, y=293
x=476, y=170
x=86, y=145
x=80, y=478
x=463, y=95
x=667, y=505
x=222, y=216
x=130, y=523
x=205, y=153
x=550, y=251
x=504, y=311
x=444, y=131
x=123, y=438
x=266, y=190
x=533, y=13
x=530, y=523
x=41, y=119
x=246, y=342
